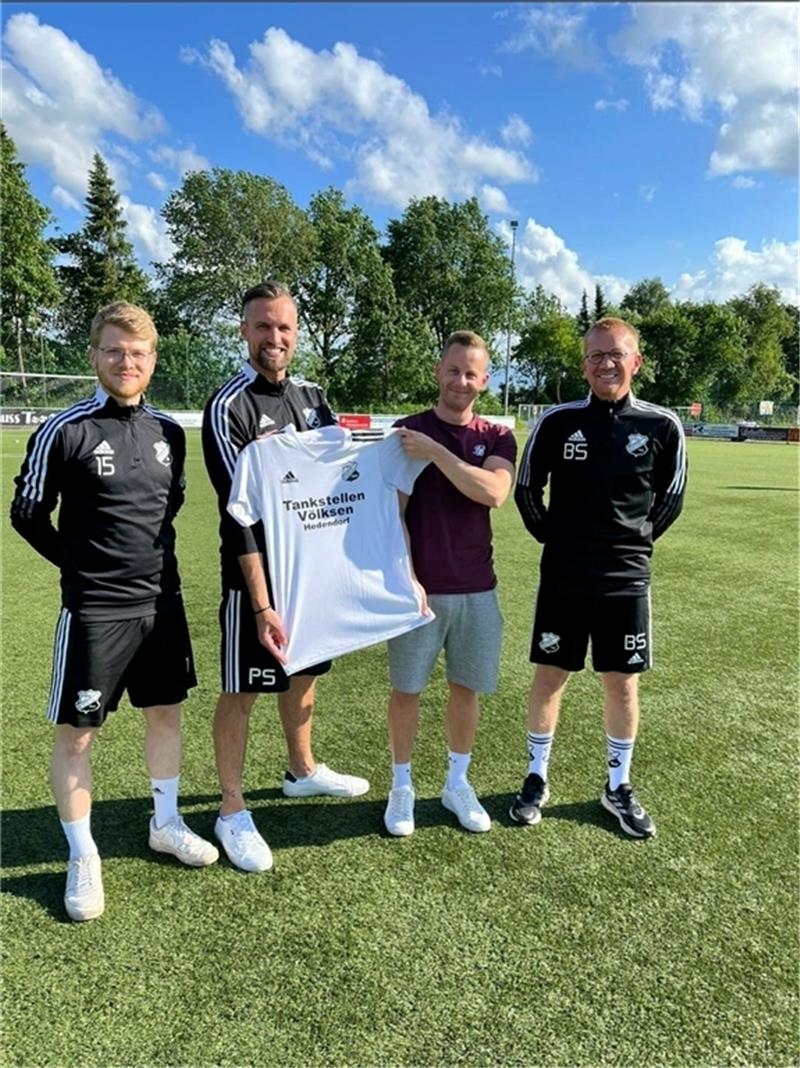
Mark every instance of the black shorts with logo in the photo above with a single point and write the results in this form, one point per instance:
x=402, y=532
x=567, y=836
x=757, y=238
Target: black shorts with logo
x=246, y=666
x=96, y=660
x=618, y=626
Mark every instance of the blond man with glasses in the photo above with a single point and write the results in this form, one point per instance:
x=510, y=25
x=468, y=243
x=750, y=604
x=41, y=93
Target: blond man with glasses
x=116, y=464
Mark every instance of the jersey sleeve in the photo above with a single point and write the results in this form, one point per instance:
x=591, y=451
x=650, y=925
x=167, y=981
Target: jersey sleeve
x=669, y=479
x=505, y=446
x=399, y=471
x=534, y=470
x=223, y=437
x=244, y=504
x=177, y=491
x=37, y=488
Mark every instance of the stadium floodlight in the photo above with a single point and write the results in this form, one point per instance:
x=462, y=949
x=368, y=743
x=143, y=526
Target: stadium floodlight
x=513, y=224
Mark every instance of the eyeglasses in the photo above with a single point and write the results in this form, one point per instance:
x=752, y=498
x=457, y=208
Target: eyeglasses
x=115, y=354
x=616, y=355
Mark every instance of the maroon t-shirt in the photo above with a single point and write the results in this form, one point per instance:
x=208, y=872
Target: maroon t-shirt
x=451, y=536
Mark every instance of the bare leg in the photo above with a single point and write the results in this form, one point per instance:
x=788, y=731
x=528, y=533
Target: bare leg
x=544, y=700
x=71, y=771
x=403, y=718
x=296, y=708
x=622, y=704
x=231, y=724
x=162, y=741
x=462, y=718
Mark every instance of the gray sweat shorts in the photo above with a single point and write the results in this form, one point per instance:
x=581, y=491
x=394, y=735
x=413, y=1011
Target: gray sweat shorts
x=469, y=627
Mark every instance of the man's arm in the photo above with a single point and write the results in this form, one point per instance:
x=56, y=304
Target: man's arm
x=534, y=471
x=488, y=485
x=223, y=438
x=37, y=492
x=269, y=624
x=177, y=490
x=669, y=480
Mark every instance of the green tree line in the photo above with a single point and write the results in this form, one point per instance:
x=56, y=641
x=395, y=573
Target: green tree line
x=374, y=310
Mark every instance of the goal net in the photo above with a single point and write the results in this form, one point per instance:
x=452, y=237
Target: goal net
x=42, y=391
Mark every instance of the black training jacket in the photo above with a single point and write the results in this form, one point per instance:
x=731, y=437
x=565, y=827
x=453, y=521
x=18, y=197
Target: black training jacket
x=119, y=472
x=617, y=474
x=248, y=406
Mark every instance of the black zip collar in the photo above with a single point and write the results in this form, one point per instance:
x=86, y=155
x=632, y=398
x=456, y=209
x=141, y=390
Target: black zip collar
x=610, y=407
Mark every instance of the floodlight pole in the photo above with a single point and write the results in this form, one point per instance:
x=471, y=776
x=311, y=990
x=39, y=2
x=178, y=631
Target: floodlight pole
x=513, y=224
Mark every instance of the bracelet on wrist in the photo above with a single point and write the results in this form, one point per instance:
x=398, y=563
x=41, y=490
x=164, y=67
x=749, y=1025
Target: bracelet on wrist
x=258, y=611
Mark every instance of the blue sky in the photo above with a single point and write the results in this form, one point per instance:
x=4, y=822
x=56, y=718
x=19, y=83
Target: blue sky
x=628, y=140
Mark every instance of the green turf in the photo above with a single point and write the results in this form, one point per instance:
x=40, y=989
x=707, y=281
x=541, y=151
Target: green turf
x=566, y=944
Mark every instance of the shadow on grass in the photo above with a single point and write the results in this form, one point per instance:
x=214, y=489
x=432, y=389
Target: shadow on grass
x=781, y=489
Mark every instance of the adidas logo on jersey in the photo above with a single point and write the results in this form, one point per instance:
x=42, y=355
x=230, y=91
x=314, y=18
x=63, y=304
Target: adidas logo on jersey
x=577, y=436
x=265, y=421
x=290, y=477
x=103, y=449
x=635, y=659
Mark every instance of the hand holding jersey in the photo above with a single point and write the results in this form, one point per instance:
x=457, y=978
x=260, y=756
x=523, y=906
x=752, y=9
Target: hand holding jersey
x=616, y=467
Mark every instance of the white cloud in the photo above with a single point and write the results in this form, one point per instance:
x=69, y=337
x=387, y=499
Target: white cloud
x=494, y=200
x=337, y=103
x=734, y=268
x=544, y=259
x=61, y=107
x=158, y=181
x=181, y=160
x=65, y=199
x=741, y=181
x=516, y=131
x=739, y=59
x=557, y=30
x=493, y=70
x=647, y=193
x=612, y=105
x=147, y=231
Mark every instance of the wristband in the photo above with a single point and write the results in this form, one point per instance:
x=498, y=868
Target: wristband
x=258, y=611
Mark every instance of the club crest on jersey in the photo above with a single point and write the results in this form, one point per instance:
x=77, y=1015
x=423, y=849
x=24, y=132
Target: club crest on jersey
x=350, y=471
x=88, y=700
x=479, y=450
x=637, y=444
x=163, y=452
x=311, y=416
x=550, y=642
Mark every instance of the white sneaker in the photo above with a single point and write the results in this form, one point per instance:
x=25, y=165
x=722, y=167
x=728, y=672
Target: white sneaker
x=324, y=781
x=245, y=847
x=399, y=815
x=179, y=840
x=84, y=898
x=461, y=801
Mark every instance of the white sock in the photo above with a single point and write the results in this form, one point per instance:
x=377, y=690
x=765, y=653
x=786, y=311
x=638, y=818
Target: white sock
x=165, y=799
x=620, y=754
x=458, y=765
x=539, y=746
x=79, y=837
x=401, y=775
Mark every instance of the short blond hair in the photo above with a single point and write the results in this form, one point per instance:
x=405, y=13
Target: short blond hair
x=468, y=338
x=608, y=322
x=129, y=317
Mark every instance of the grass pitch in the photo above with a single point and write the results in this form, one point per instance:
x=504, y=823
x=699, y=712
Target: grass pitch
x=565, y=944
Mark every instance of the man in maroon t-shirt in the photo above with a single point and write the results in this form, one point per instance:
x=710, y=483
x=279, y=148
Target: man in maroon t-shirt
x=471, y=470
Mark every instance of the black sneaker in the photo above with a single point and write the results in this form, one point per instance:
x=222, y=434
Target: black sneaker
x=623, y=804
x=527, y=805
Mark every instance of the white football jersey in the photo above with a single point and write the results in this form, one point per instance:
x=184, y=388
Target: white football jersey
x=338, y=562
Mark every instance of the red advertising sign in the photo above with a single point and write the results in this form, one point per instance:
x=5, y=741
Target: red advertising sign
x=355, y=422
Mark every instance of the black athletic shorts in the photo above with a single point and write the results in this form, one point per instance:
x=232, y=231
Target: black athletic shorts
x=619, y=629
x=247, y=667
x=96, y=660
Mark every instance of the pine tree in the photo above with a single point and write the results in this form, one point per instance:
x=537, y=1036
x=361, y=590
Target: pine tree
x=28, y=287
x=103, y=268
x=599, y=303
x=583, y=318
